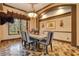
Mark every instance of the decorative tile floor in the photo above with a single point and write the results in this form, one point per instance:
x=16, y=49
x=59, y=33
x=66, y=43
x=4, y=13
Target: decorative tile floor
x=15, y=48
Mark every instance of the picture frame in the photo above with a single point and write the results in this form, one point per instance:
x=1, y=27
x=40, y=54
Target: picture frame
x=51, y=24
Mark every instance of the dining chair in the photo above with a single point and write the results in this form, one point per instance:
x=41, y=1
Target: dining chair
x=47, y=41
x=24, y=39
x=30, y=40
x=27, y=40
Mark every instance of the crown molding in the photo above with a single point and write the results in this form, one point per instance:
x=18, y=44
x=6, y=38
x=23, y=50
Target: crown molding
x=14, y=7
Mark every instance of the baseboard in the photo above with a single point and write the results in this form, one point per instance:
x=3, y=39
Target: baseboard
x=62, y=41
x=10, y=39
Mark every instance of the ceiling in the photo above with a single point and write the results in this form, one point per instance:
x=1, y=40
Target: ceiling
x=28, y=6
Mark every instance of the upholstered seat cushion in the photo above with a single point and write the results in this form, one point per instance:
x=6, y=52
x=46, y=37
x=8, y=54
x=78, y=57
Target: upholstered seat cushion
x=43, y=41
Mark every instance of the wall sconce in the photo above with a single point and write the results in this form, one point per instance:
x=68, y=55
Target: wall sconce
x=61, y=23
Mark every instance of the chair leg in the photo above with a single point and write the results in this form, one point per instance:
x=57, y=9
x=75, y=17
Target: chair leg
x=29, y=45
x=24, y=43
x=51, y=46
x=36, y=45
x=46, y=50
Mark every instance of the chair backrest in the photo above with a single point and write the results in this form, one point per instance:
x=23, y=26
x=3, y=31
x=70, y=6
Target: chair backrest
x=23, y=35
x=49, y=38
x=27, y=36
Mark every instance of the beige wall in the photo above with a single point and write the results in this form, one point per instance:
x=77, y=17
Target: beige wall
x=61, y=35
x=4, y=28
x=77, y=24
x=1, y=33
x=5, y=33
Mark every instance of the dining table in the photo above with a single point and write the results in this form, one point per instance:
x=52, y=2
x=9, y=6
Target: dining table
x=38, y=37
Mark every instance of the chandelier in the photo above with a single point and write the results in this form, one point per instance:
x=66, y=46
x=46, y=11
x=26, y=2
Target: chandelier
x=32, y=13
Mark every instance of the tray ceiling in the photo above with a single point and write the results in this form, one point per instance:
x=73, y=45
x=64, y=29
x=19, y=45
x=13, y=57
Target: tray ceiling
x=28, y=6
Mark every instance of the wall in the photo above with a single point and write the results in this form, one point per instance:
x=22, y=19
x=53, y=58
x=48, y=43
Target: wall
x=0, y=25
x=77, y=24
x=4, y=28
x=5, y=33
x=1, y=33
x=61, y=33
